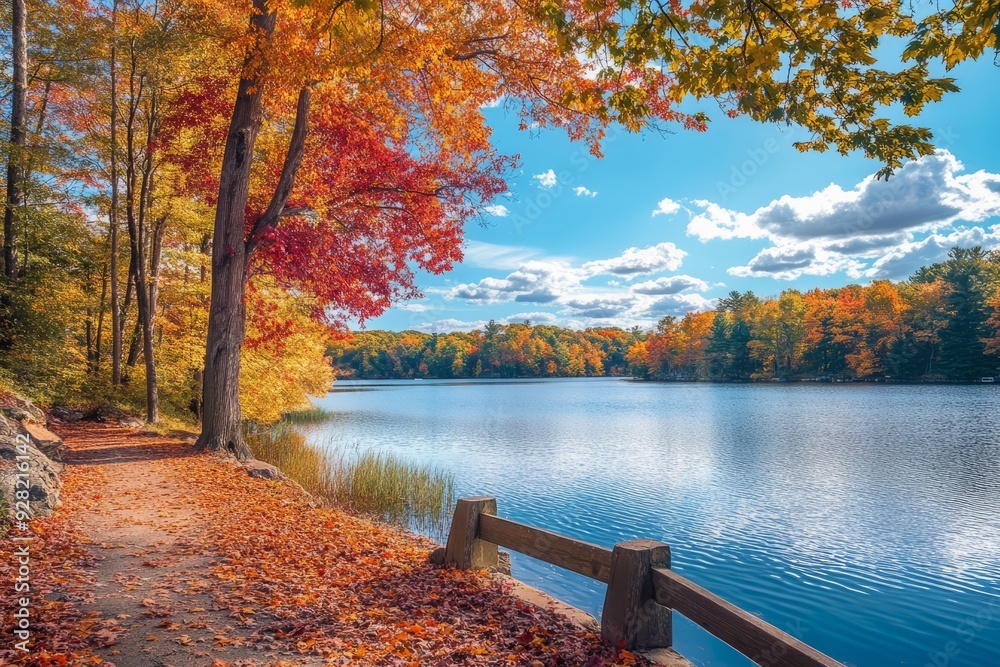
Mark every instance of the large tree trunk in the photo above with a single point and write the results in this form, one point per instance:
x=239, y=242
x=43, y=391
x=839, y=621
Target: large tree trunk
x=221, y=418
x=18, y=136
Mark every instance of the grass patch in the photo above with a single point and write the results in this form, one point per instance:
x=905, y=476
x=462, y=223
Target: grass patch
x=361, y=481
x=313, y=415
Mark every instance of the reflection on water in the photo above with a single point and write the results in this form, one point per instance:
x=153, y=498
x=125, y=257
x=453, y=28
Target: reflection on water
x=864, y=519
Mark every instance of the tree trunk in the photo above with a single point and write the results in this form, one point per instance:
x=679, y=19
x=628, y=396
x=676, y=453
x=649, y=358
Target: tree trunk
x=18, y=135
x=116, y=319
x=89, y=327
x=139, y=171
x=134, y=347
x=100, y=317
x=221, y=417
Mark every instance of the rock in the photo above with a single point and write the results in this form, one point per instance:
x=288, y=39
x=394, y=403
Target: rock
x=105, y=412
x=263, y=470
x=65, y=414
x=48, y=442
x=43, y=473
x=21, y=409
x=184, y=436
x=131, y=422
x=437, y=556
x=503, y=564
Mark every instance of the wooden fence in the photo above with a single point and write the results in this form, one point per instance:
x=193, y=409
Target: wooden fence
x=642, y=589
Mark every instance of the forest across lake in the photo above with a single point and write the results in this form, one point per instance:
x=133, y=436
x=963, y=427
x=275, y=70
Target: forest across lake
x=943, y=324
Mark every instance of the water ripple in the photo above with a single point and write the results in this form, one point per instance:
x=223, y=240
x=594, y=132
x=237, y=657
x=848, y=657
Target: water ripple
x=863, y=518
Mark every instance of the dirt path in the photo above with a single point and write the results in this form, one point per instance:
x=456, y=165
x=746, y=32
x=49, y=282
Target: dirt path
x=146, y=539
x=163, y=557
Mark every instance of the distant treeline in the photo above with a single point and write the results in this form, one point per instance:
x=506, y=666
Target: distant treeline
x=941, y=324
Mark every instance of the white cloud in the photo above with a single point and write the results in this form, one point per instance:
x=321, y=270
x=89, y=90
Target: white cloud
x=666, y=206
x=791, y=261
x=908, y=257
x=638, y=261
x=583, y=192
x=496, y=256
x=414, y=307
x=546, y=180
x=533, y=317
x=449, y=325
x=677, y=305
x=567, y=289
x=533, y=282
x=863, y=231
x=497, y=210
x=545, y=281
x=670, y=285
x=599, y=307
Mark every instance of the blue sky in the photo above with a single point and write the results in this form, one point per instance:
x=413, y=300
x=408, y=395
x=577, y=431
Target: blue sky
x=667, y=224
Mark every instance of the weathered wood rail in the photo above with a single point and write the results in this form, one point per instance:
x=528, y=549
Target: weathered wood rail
x=642, y=589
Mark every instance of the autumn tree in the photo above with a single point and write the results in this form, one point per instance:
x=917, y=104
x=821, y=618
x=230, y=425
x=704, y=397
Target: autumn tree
x=810, y=65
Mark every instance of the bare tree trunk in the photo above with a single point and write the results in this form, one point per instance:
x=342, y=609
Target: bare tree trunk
x=155, y=253
x=18, y=137
x=116, y=318
x=134, y=347
x=138, y=185
x=89, y=326
x=100, y=317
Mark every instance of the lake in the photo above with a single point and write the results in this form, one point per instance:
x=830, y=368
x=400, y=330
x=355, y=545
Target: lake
x=864, y=519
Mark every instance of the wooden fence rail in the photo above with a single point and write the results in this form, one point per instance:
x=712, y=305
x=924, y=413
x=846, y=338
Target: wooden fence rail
x=642, y=589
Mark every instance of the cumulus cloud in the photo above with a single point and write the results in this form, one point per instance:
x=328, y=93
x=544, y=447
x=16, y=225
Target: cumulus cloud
x=584, y=192
x=599, y=307
x=670, y=285
x=570, y=289
x=791, y=261
x=497, y=210
x=677, y=305
x=539, y=317
x=546, y=179
x=638, y=261
x=908, y=257
x=666, y=206
x=449, y=325
x=863, y=229
x=533, y=281
x=543, y=281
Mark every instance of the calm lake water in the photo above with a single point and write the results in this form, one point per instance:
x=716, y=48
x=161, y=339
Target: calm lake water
x=864, y=519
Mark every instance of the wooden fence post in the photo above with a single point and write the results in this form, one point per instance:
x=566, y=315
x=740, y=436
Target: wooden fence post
x=464, y=549
x=631, y=612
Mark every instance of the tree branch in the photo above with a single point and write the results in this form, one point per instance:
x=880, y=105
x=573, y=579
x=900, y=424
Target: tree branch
x=293, y=160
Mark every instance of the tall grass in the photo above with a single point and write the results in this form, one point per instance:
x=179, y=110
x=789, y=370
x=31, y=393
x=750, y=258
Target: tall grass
x=361, y=481
x=312, y=415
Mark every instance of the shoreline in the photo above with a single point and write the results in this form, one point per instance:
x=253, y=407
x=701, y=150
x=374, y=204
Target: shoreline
x=623, y=378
